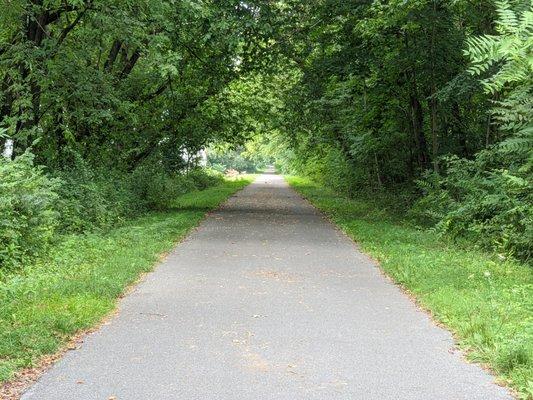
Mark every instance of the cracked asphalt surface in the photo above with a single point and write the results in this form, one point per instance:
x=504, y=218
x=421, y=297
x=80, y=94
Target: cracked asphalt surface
x=266, y=300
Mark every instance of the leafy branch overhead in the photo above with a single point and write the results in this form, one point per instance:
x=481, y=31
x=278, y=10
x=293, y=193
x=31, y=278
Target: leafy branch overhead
x=368, y=96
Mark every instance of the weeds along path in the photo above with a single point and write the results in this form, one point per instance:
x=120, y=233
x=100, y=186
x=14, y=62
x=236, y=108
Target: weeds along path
x=267, y=300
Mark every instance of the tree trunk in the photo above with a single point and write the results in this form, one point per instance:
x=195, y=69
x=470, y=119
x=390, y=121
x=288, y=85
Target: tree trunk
x=488, y=131
x=5, y=110
x=378, y=176
x=434, y=134
x=417, y=120
x=113, y=53
x=433, y=100
x=130, y=63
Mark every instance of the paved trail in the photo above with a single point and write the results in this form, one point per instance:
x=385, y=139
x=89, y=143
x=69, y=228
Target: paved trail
x=266, y=300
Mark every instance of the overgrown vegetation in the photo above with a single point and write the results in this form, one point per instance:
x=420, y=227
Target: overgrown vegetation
x=485, y=301
x=77, y=283
x=36, y=209
x=27, y=216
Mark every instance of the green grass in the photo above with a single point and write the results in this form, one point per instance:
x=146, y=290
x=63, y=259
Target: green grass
x=485, y=301
x=78, y=283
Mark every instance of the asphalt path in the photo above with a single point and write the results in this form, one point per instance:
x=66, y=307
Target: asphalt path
x=266, y=300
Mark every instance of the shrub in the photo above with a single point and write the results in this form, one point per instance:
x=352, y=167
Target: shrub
x=34, y=206
x=28, y=218
x=154, y=190
x=491, y=206
x=327, y=166
x=90, y=199
x=204, y=178
x=218, y=167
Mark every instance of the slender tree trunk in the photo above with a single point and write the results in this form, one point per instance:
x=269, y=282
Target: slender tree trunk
x=113, y=53
x=376, y=164
x=434, y=134
x=433, y=100
x=416, y=116
x=35, y=90
x=458, y=131
x=130, y=63
x=417, y=120
x=378, y=176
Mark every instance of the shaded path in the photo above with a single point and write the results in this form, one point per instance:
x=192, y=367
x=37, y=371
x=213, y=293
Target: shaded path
x=266, y=300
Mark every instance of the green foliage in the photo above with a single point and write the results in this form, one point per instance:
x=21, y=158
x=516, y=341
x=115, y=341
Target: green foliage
x=326, y=166
x=484, y=300
x=224, y=158
x=153, y=190
x=489, y=198
x=488, y=206
x=511, y=52
x=91, y=199
x=36, y=208
x=120, y=82
x=203, y=178
x=28, y=217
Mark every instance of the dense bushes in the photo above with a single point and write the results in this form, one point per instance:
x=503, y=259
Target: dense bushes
x=28, y=215
x=326, y=166
x=204, y=178
x=474, y=199
x=477, y=200
x=156, y=191
x=91, y=199
x=231, y=161
x=34, y=207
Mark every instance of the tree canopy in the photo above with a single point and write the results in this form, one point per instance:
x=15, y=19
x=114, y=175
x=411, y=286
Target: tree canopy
x=431, y=97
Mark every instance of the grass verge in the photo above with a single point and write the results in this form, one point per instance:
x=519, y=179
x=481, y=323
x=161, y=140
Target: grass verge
x=485, y=301
x=79, y=282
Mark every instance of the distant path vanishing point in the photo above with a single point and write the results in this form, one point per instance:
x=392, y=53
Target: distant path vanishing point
x=266, y=300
